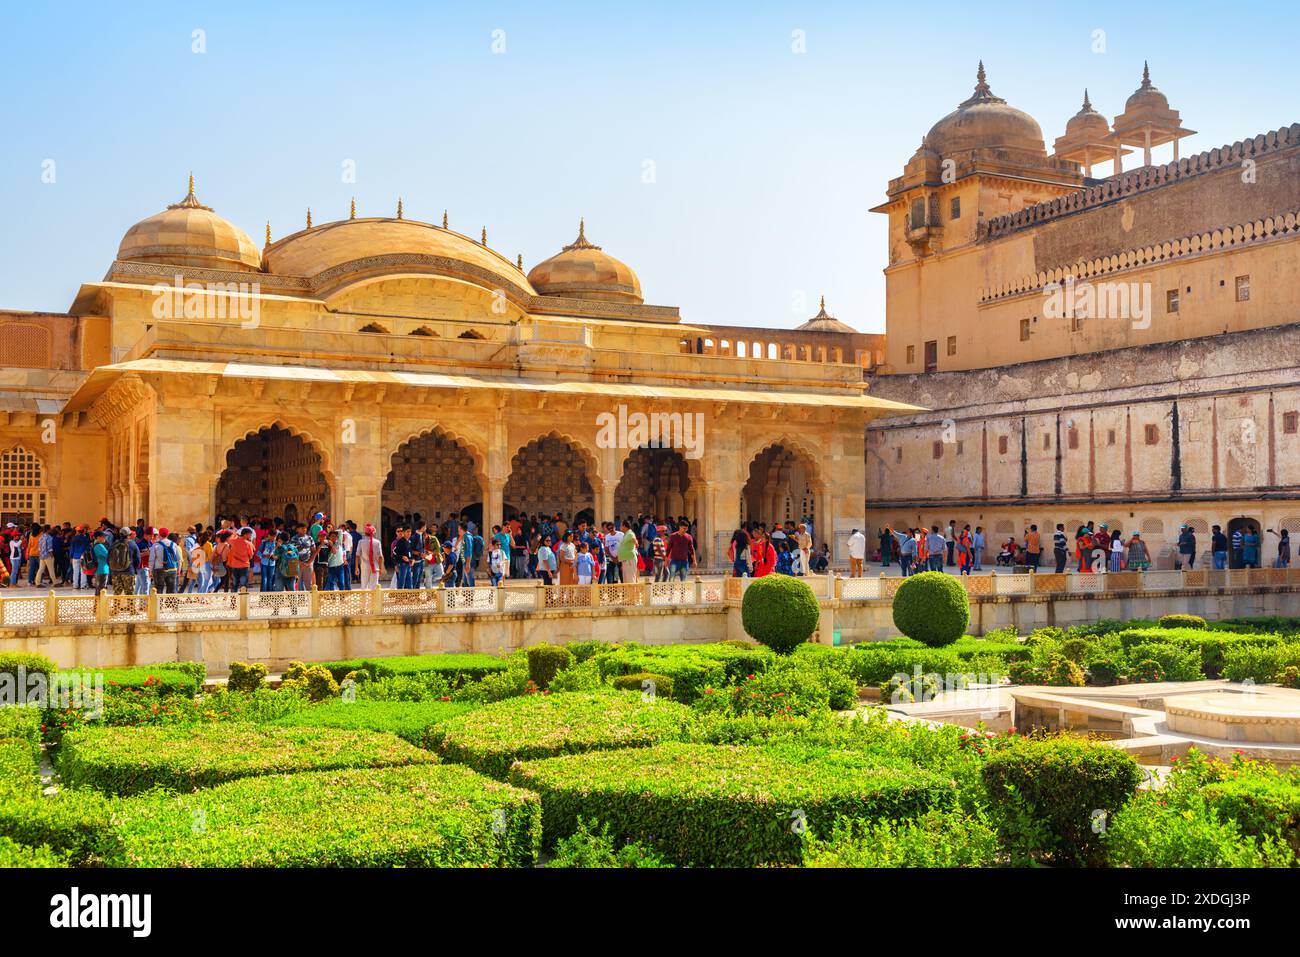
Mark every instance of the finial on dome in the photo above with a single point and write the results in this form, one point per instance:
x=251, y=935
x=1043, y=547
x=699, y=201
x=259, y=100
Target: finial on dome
x=982, y=92
x=1146, y=76
x=309, y=217
x=483, y=238
x=582, y=242
x=268, y=232
x=444, y=219
x=352, y=213
x=1087, y=104
x=399, y=207
x=821, y=312
x=519, y=262
x=190, y=201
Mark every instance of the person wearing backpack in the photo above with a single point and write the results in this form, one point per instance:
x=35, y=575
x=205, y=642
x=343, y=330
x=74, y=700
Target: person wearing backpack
x=286, y=563
x=99, y=551
x=165, y=558
x=266, y=559
x=120, y=567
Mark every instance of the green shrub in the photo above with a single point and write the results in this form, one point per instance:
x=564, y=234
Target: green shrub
x=1177, y=662
x=589, y=847
x=968, y=647
x=18, y=777
x=871, y=667
x=409, y=720
x=1289, y=677
x=1063, y=673
x=1261, y=804
x=588, y=648
x=428, y=686
x=425, y=816
x=725, y=806
x=1151, y=831
x=936, y=839
x=1075, y=649
x=690, y=673
x=75, y=825
x=29, y=662
x=1148, y=671
x=1045, y=795
x=21, y=722
x=20, y=855
x=493, y=737
x=932, y=607
x=780, y=611
x=510, y=683
x=907, y=689
x=1212, y=645
x=1260, y=664
x=166, y=681
x=1181, y=621
x=196, y=670
x=584, y=676
x=545, y=661
x=1028, y=673
x=790, y=687
x=662, y=684
x=458, y=668
x=1104, y=672
x=313, y=681
x=132, y=760
x=246, y=677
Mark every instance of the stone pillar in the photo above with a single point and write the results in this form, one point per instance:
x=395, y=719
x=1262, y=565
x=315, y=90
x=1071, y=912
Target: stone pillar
x=360, y=467
x=494, y=502
x=824, y=522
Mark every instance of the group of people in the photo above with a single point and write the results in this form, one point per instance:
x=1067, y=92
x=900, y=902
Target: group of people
x=278, y=555
x=1092, y=548
x=786, y=549
x=544, y=547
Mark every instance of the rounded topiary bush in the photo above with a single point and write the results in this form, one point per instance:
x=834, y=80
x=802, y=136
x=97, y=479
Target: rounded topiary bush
x=662, y=685
x=246, y=677
x=780, y=611
x=1181, y=621
x=545, y=661
x=1064, y=673
x=932, y=607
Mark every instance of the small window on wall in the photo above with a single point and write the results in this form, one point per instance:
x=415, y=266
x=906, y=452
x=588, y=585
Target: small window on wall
x=1290, y=423
x=952, y=345
x=1002, y=445
x=1243, y=288
x=1171, y=300
x=954, y=208
x=1152, y=435
x=1076, y=323
x=961, y=446
x=938, y=449
x=1110, y=436
x=898, y=454
x=1024, y=330
x=1074, y=437
x=1047, y=441
x=911, y=355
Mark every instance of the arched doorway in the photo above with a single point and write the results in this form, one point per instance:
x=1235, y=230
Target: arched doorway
x=1244, y=524
x=433, y=477
x=549, y=476
x=781, y=487
x=656, y=481
x=268, y=472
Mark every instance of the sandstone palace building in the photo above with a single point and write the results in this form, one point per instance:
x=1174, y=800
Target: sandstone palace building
x=379, y=368
x=1059, y=347
x=1125, y=350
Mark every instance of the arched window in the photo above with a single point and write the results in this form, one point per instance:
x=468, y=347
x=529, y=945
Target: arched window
x=470, y=334
x=374, y=327
x=424, y=331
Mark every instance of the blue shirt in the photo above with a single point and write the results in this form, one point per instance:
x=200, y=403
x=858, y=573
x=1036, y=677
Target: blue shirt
x=101, y=559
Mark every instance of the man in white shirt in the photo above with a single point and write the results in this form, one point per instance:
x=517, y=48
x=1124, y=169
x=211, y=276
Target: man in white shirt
x=857, y=553
x=370, y=558
x=612, y=567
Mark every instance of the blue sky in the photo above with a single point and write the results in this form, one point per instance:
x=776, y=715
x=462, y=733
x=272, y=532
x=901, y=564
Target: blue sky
x=765, y=160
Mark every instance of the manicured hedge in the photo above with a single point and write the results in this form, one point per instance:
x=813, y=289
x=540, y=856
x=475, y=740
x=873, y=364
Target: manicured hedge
x=20, y=855
x=18, y=777
x=168, y=680
x=1044, y=795
x=780, y=611
x=410, y=720
x=493, y=737
x=425, y=816
x=932, y=607
x=1213, y=646
x=21, y=722
x=459, y=668
x=871, y=667
x=76, y=825
x=692, y=668
x=132, y=760
x=1262, y=664
x=725, y=806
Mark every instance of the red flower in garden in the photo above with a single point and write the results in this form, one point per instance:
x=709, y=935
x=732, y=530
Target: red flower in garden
x=444, y=698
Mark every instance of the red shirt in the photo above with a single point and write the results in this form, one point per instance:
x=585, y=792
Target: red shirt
x=681, y=547
x=240, y=553
x=763, y=555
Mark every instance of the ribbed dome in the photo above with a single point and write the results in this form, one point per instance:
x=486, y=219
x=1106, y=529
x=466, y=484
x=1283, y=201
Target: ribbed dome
x=985, y=121
x=824, y=322
x=190, y=234
x=1146, y=96
x=1087, y=122
x=583, y=271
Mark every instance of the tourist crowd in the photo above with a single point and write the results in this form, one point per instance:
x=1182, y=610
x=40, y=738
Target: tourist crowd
x=1091, y=547
x=279, y=555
